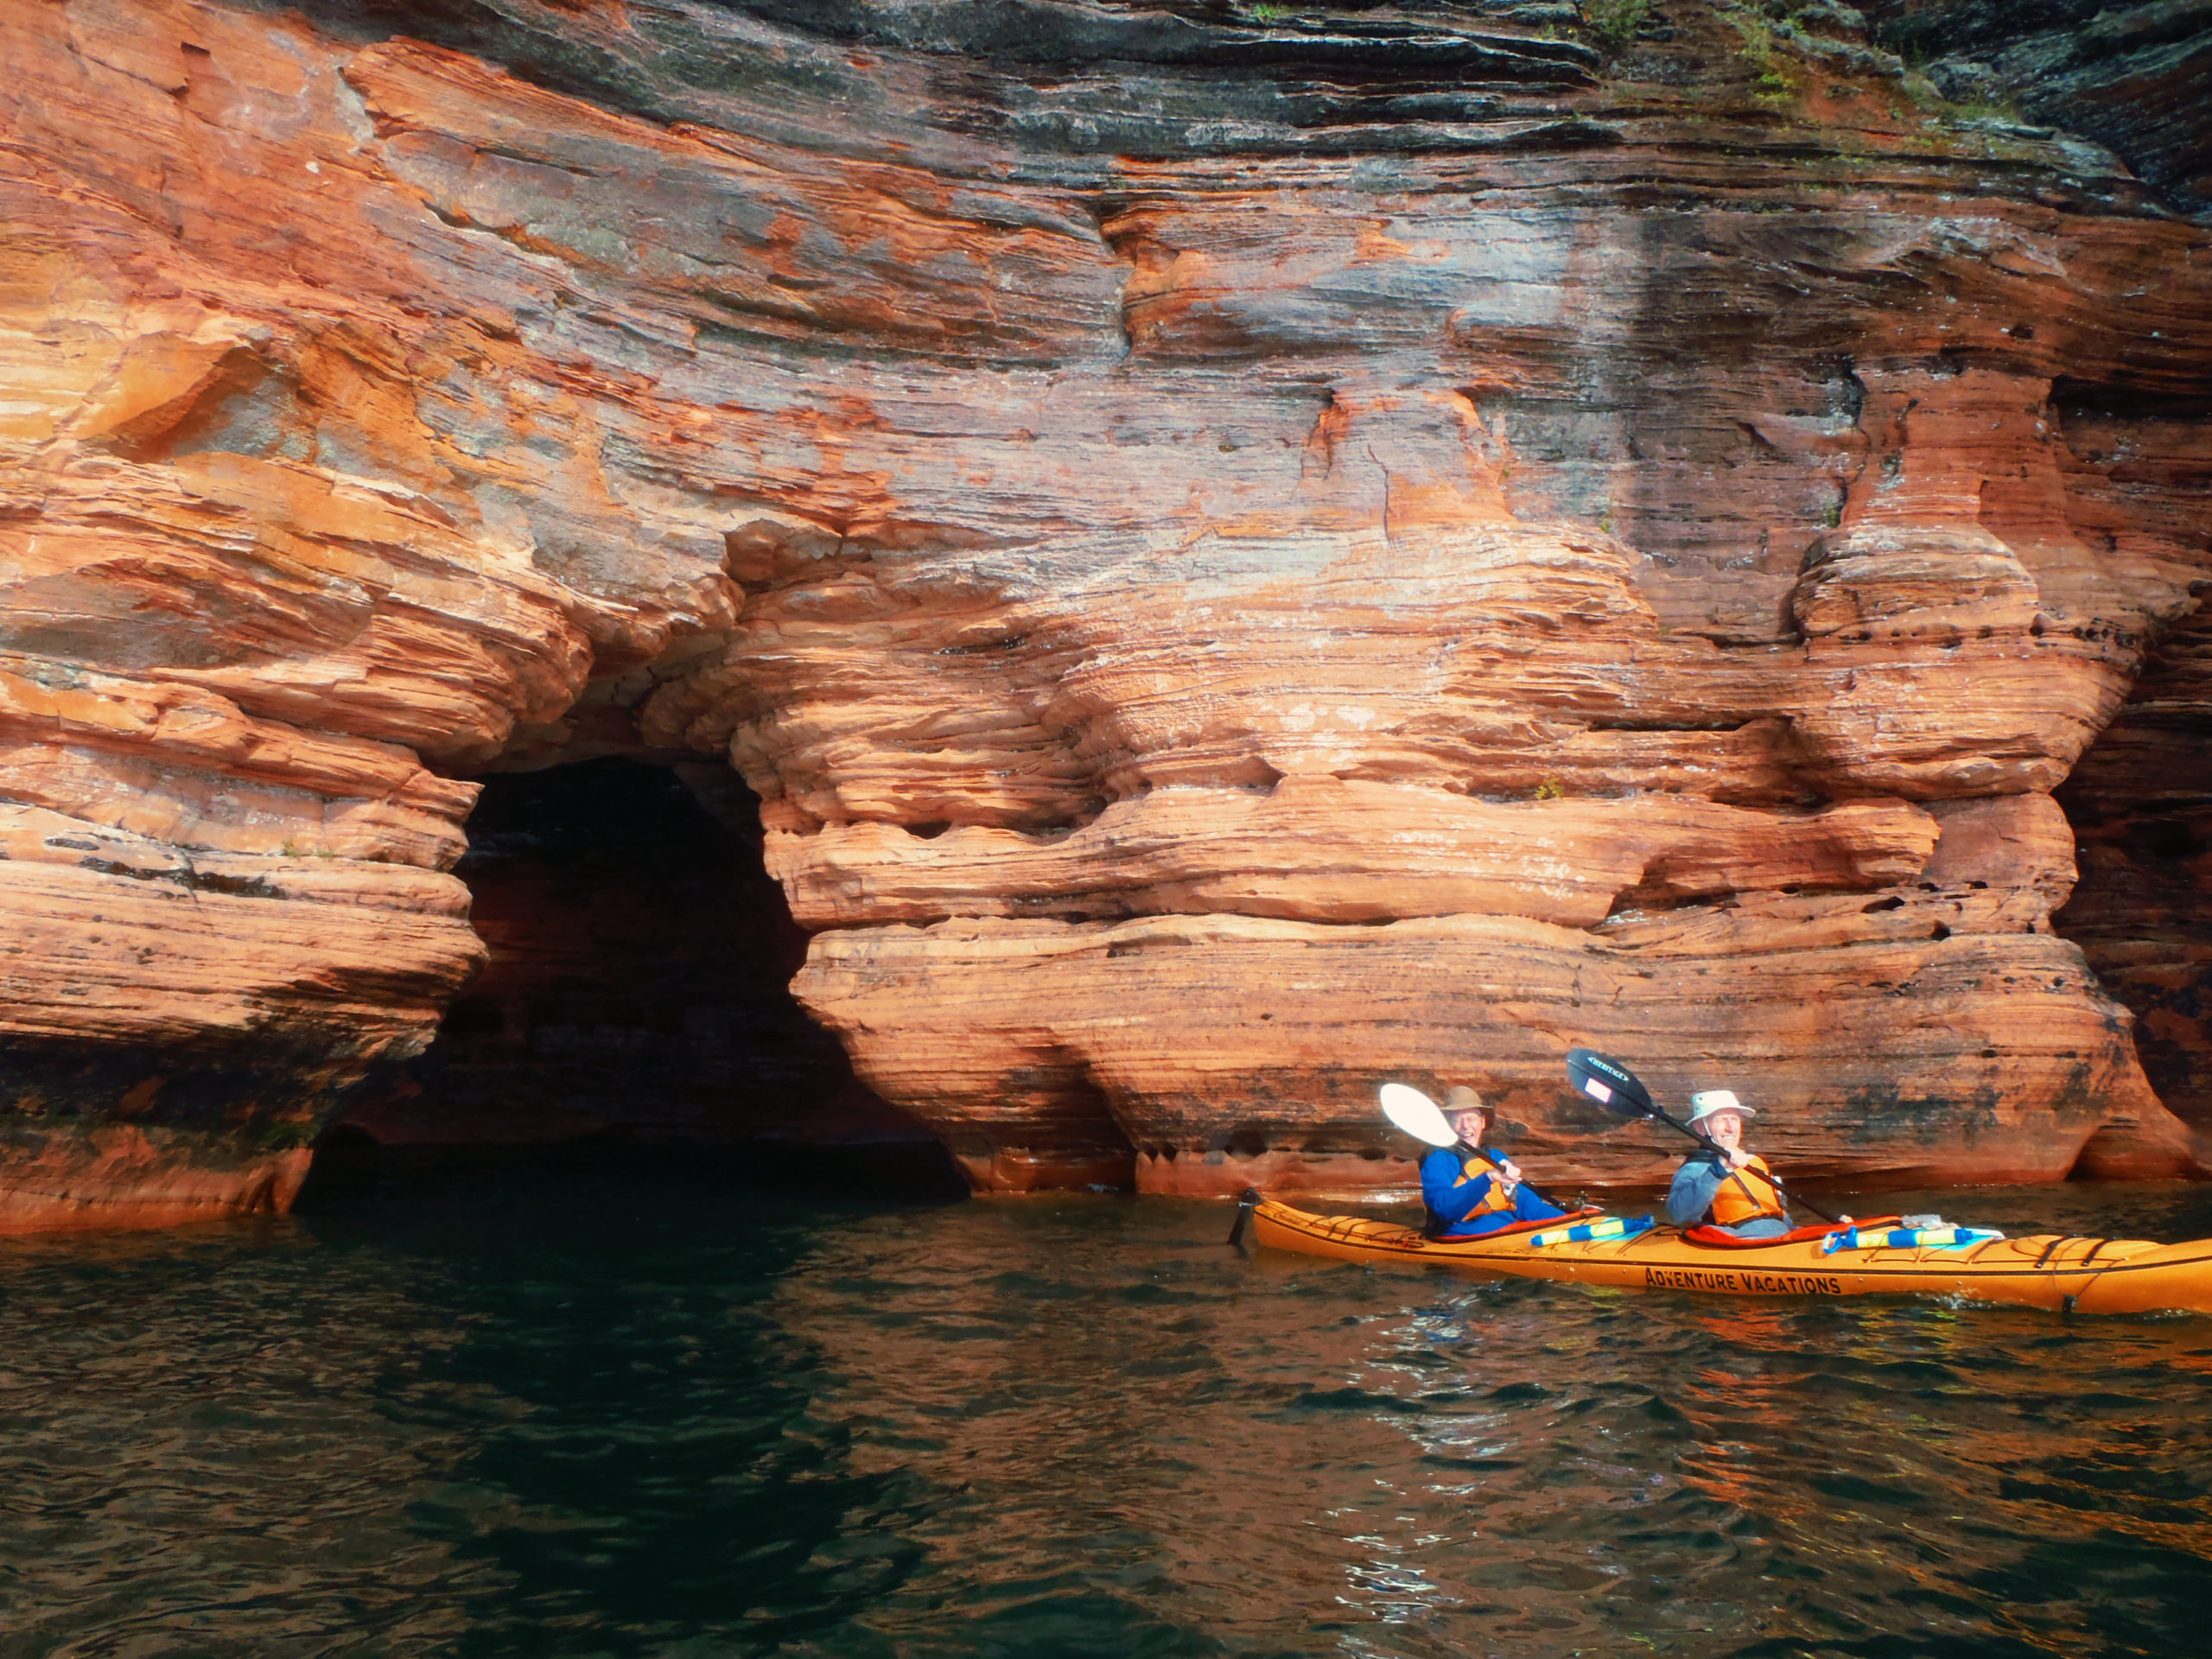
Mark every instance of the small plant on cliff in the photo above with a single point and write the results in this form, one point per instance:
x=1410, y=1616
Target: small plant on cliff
x=1616, y=22
x=1763, y=50
x=1979, y=109
x=1552, y=789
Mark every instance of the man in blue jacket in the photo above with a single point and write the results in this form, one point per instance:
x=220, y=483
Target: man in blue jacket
x=1466, y=1195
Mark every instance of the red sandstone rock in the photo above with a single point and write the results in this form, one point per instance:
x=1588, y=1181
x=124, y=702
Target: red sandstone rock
x=1314, y=848
x=1050, y=1039
x=1289, y=595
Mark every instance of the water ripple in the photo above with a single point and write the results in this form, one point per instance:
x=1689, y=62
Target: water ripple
x=648, y=1416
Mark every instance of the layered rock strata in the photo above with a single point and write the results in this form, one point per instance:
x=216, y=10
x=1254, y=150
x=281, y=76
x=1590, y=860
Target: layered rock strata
x=1243, y=555
x=2129, y=76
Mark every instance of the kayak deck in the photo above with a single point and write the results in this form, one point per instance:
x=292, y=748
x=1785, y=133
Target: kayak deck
x=2055, y=1271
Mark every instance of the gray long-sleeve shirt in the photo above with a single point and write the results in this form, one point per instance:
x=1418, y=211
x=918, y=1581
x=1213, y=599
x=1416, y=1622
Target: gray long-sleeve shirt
x=1696, y=1183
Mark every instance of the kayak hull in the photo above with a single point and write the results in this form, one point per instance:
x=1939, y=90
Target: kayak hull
x=2060, y=1272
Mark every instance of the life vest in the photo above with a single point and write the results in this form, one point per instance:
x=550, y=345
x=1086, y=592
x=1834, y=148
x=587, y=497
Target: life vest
x=1742, y=1196
x=1494, y=1200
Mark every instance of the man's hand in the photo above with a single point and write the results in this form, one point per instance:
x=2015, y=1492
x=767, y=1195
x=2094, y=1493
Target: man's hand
x=1739, y=1158
x=1508, y=1173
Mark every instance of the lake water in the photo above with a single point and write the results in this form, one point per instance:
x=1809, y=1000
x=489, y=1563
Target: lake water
x=537, y=1411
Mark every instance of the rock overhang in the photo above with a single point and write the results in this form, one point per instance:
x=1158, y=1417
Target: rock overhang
x=1286, y=496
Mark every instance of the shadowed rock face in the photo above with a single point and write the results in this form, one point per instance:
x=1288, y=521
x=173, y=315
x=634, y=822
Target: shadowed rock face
x=1242, y=555
x=2132, y=77
x=638, y=985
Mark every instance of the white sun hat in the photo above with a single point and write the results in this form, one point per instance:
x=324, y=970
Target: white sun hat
x=1706, y=1102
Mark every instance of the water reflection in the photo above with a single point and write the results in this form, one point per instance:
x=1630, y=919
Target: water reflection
x=624, y=1415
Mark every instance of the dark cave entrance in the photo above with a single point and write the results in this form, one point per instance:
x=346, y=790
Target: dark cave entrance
x=638, y=991
x=2140, y=802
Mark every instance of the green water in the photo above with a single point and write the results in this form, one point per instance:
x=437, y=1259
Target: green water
x=609, y=1412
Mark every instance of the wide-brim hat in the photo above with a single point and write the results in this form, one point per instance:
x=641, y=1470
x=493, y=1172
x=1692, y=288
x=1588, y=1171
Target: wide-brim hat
x=1707, y=1101
x=1464, y=1099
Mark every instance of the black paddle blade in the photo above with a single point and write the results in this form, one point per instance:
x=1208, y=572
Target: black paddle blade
x=1609, y=1083
x=1247, y=1201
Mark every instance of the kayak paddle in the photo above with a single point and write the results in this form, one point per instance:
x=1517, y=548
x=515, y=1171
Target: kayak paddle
x=1618, y=1089
x=1247, y=1202
x=1424, y=1119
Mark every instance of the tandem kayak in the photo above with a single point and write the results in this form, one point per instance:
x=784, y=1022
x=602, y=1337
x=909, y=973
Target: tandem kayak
x=2062, y=1272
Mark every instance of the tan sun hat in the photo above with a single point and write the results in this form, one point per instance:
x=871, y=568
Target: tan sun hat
x=1464, y=1099
x=1706, y=1102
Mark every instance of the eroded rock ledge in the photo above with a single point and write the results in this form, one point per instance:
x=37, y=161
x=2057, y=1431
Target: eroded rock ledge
x=1243, y=555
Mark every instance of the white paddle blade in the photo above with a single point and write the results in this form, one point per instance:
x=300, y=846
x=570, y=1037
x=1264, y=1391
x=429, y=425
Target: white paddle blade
x=1417, y=1115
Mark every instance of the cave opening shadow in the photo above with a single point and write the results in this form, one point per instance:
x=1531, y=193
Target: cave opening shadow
x=2140, y=804
x=636, y=1007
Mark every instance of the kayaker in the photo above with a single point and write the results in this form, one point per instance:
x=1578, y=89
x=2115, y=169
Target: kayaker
x=1725, y=1190
x=1467, y=1196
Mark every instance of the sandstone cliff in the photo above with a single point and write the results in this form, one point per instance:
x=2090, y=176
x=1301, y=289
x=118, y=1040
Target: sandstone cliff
x=1244, y=552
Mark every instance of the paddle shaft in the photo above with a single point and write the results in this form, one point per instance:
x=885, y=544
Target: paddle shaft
x=1722, y=1152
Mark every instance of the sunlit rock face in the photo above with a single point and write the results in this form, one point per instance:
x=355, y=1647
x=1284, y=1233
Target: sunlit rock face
x=1243, y=555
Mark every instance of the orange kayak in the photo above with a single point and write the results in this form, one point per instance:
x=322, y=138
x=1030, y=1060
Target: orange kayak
x=2061, y=1272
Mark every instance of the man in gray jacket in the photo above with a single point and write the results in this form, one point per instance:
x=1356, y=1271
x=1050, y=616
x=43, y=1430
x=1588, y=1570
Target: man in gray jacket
x=1723, y=1186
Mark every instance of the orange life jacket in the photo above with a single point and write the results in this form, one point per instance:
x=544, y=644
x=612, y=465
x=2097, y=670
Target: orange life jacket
x=1494, y=1200
x=1743, y=1195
